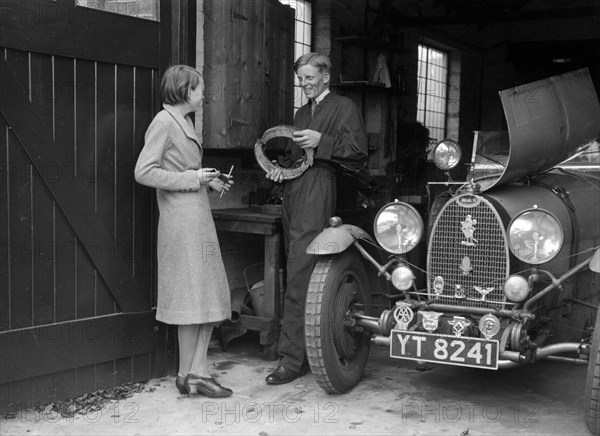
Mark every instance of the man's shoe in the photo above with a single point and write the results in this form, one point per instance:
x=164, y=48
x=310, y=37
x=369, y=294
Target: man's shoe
x=281, y=376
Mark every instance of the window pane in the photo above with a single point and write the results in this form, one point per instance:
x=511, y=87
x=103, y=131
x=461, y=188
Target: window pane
x=307, y=35
x=431, y=90
x=422, y=85
x=305, y=12
x=298, y=32
x=147, y=9
x=302, y=28
x=437, y=120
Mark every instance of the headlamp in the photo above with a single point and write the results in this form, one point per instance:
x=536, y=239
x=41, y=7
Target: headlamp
x=516, y=288
x=398, y=227
x=402, y=278
x=446, y=154
x=535, y=236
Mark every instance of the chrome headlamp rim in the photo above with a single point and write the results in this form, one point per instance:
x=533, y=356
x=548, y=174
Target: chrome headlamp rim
x=526, y=257
x=406, y=245
x=446, y=154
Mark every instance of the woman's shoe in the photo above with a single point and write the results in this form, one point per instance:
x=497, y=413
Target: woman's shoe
x=208, y=386
x=180, y=385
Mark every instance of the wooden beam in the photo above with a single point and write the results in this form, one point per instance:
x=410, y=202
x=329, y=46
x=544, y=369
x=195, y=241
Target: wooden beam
x=485, y=17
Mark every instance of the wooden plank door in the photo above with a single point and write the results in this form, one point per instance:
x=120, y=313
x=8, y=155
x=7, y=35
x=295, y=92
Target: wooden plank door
x=77, y=275
x=249, y=49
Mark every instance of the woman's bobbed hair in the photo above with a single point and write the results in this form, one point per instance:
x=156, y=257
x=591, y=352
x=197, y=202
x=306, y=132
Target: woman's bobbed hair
x=177, y=81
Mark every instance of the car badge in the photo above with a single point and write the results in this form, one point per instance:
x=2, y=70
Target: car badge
x=430, y=320
x=468, y=200
x=459, y=325
x=483, y=291
x=403, y=315
x=459, y=292
x=468, y=229
x=465, y=265
x=489, y=325
x=438, y=285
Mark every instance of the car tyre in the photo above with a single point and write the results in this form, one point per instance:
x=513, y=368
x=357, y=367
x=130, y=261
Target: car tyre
x=592, y=383
x=337, y=352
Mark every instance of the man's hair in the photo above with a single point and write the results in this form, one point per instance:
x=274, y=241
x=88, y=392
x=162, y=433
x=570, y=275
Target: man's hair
x=177, y=81
x=317, y=60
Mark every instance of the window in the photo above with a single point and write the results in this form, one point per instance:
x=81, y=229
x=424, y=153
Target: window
x=432, y=91
x=301, y=41
x=148, y=9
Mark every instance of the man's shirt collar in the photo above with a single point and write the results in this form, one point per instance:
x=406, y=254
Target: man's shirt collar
x=321, y=96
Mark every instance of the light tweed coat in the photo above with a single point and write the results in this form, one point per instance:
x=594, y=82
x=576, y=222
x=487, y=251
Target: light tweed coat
x=192, y=285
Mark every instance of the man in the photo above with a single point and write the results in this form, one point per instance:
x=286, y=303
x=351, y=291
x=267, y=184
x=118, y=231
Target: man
x=333, y=127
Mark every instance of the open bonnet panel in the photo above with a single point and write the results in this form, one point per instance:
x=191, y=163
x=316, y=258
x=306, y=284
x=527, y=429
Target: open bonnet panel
x=548, y=121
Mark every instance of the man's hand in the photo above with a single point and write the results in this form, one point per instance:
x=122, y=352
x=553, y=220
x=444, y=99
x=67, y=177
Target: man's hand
x=276, y=175
x=306, y=138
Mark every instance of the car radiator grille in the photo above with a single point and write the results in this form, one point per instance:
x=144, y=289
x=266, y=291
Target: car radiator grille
x=456, y=261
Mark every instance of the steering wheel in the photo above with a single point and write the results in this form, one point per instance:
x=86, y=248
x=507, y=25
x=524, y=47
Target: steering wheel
x=286, y=132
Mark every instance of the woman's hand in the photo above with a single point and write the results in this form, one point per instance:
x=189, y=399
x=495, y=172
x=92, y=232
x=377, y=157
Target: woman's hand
x=207, y=175
x=221, y=184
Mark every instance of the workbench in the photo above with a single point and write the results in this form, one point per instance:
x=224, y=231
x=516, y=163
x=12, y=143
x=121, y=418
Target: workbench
x=248, y=220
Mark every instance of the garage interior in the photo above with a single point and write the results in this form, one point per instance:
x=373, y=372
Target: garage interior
x=246, y=50
x=489, y=46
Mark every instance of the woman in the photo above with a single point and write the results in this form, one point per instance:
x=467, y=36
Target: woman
x=193, y=292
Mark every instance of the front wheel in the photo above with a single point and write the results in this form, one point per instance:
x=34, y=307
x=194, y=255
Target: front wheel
x=592, y=383
x=337, y=351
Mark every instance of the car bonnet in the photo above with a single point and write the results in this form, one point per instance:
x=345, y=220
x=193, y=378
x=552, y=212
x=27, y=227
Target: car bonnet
x=548, y=120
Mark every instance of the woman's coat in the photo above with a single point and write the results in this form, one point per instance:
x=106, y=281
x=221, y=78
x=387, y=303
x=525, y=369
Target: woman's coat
x=192, y=284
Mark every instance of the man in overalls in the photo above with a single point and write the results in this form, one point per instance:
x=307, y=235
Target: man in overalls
x=333, y=127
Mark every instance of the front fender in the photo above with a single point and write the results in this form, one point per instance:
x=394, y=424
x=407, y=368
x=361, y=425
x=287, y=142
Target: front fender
x=334, y=240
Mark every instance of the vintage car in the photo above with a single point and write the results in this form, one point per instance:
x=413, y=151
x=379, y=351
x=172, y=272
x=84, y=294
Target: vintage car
x=512, y=260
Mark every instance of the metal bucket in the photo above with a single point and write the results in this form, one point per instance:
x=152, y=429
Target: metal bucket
x=254, y=277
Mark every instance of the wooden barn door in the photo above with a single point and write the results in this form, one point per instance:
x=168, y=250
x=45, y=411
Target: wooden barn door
x=77, y=276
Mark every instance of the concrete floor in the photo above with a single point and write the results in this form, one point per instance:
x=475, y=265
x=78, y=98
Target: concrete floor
x=394, y=397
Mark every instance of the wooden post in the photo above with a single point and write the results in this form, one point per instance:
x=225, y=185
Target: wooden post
x=178, y=33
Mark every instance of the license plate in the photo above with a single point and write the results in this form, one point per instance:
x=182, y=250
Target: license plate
x=445, y=349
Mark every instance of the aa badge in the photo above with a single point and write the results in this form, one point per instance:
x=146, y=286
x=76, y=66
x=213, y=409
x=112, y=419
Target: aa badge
x=403, y=315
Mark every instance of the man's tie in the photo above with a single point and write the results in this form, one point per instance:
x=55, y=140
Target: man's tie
x=313, y=105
